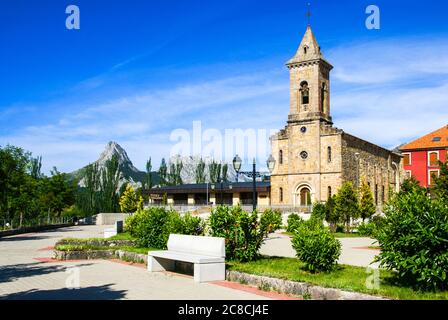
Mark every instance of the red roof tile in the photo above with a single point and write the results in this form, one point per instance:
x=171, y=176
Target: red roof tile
x=436, y=139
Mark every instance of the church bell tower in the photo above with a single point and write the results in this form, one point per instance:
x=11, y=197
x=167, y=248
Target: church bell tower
x=309, y=83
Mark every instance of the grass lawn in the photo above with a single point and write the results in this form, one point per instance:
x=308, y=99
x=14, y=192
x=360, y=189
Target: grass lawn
x=122, y=236
x=345, y=277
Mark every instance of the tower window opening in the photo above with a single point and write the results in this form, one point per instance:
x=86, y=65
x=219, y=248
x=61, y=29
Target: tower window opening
x=305, y=91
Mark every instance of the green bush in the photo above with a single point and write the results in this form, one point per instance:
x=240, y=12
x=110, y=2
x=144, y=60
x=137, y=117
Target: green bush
x=319, y=211
x=243, y=231
x=271, y=220
x=194, y=226
x=414, y=240
x=316, y=247
x=294, y=221
x=367, y=229
x=152, y=227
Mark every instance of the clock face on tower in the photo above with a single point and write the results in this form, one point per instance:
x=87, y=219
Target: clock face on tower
x=304, y=155
x=303, y=129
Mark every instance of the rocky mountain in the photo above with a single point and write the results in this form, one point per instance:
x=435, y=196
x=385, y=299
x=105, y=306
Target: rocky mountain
x=128, y=172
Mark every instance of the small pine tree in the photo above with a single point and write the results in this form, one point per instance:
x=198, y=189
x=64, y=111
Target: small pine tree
x=129, y=201
x=346, y=204
x=367, y=206
x=330, y=214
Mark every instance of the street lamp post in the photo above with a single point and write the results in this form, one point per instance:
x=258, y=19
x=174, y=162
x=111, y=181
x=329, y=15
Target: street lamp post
x=237, y=166
x=254, y=185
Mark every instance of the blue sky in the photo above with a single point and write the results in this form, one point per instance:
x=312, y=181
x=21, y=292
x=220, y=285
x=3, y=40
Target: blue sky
x=137, y=70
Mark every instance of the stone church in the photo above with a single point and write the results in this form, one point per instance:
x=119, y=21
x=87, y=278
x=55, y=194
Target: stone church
x=314, y=158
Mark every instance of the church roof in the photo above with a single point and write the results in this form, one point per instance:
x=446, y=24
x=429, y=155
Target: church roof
x=433, y=140
x=309, y=49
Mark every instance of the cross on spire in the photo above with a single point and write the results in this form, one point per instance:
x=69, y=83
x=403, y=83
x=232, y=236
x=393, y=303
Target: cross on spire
x=308, y=14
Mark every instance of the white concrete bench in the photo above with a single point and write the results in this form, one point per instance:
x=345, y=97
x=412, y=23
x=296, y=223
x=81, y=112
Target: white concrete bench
x=110, y=232
x=206, y=253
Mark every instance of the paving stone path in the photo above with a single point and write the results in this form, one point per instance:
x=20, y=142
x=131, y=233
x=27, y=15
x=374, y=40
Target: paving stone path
x=25, y=273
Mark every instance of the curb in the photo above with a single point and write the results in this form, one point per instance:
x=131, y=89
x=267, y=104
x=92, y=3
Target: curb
x=297, y=288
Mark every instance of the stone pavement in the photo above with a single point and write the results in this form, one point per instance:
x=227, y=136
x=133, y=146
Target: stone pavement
x=23, y=275
x=355, y=251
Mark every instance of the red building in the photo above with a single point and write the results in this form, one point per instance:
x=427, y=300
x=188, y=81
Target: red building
x=421, y=157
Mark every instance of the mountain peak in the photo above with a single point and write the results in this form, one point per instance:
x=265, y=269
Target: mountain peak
x=113, y=148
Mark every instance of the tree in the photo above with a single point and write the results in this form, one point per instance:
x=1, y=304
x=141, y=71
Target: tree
x=92, y=187
x=130, y=201
x=110, y=179
x=35, y=167
x=214, y=171
x=163, y=171
x=225, y=169
x=174, y=176
x=440, y=188
x=148, y=176
x=410, y=184
x=367, y=206
x=200, y=172
x=346, y=204
x=331, y=216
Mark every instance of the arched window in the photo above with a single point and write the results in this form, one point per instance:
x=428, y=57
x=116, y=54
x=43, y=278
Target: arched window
x=281, y=194
x=329, y=154
x=305, y=92
x=280, y=156
x=323, y=97
x=329, y=192
x=305, y=49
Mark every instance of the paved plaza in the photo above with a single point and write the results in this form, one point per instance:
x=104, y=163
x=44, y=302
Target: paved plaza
x=23, y=275
x=27, y=272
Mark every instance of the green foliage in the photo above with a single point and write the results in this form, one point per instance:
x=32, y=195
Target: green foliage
x=72, y=212
x=189, y=225
x=316, y=247
x=414, y=240
x=367, y=229
x=130, y=202
x=148, y=176
x=271, y=220
x=440, y=189
x=163, y=173
x=319, y=211
x=174, y=176
x=214, y=169
x=200, y=172
x=243, y=231
x=27, y=197
x=152, y=227
x=410, y=184
x=332, y=216
x=346, y=204
x=367, y=206
x=294, y=221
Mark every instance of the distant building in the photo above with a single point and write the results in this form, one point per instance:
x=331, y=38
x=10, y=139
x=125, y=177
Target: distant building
x=227, y=193
x=314, y=158
x=422, y=156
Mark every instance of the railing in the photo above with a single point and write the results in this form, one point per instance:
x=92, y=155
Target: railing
x=247, y=206
x=13, y=224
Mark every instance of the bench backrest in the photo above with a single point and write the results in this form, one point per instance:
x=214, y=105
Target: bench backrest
x=208, y=246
